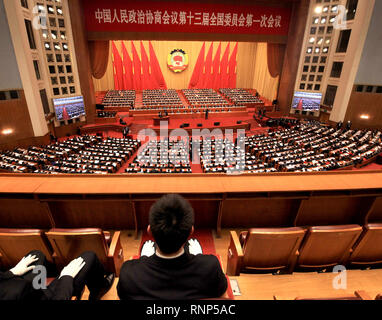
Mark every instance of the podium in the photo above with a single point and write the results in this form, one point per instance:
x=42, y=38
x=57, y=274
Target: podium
x=158, y=120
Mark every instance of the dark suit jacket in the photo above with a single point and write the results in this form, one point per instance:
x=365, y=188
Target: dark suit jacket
x=17, y=288
x=187, y=277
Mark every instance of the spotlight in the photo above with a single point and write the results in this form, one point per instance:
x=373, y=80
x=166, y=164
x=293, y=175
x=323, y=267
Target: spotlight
x=365, y=116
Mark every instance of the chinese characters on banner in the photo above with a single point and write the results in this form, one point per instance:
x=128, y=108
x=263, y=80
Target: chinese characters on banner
x=132, y=16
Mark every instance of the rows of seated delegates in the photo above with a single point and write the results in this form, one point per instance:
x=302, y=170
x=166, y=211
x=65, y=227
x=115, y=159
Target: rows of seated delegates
x=161, y=98
x=204, y=97
x=34, y=158
x=103, y=157
x=79, y=155
x=240, y=96
x=313, y=146
x=119, y=98
x=162, y=156
x=225, y=156
x=307, y=147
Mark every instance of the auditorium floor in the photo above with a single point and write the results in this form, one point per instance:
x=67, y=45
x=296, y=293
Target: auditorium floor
x=266, y=286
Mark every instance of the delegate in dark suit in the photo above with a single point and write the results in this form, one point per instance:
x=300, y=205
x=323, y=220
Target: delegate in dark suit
x=171, y=271
x=17, y=284
x=187, y=277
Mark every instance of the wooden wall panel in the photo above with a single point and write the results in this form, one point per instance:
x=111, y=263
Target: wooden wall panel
x=365, y=103
x=206, y=212
x=333, y=210
x=25, y=143
x=249, y=63
x=14, y=114
x=105, y=214
x=254, y=213
x=70, y=129
x=376, y=212
x=24, y=213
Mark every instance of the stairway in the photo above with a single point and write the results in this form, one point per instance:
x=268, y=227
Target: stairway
x=182, y=98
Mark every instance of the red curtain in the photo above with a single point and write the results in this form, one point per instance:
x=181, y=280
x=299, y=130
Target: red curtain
x=147, y=82
x=232, y=68
x=99, y=57
x=156, y=70
x=118, y=69
x=137, y=69
x=224, y=69
x=198, y=70
x=128, y=65
x=216, y=66
x=275, y=54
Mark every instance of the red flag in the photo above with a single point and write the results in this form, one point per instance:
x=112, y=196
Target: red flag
x=300, y=103
x=232, y=68
x=146, y=77
x=216, y=66
x=208, y=83
x=137, y=68
x=127, y=63
x=224, y=69
x=118, y=68
x=156, y=71
x=198, y=70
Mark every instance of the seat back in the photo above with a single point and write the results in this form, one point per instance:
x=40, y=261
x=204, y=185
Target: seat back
x=16, y=243
x=68, y=244
x=271, y=248
x=367, y=249
x=327, y=246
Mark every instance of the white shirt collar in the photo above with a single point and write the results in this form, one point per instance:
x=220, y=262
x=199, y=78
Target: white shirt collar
x=168, y=258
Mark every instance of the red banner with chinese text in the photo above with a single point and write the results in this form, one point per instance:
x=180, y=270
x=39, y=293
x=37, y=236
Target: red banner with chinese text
x=146, y=16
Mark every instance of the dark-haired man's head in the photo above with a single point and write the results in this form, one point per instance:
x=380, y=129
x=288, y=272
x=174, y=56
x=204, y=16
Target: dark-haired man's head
x=171, y=222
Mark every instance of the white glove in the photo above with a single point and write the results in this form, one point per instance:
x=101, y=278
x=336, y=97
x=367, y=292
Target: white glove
x=73, y=268
x=194, y=247
x=148, y=248
x=23, y=266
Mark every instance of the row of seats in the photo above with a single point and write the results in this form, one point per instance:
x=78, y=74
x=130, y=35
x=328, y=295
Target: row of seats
x=162, y=156
x=160, y=98
x=119, y=98
x=298, y=248
x=60, y=246
x=204, y=97
x=240, y=96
